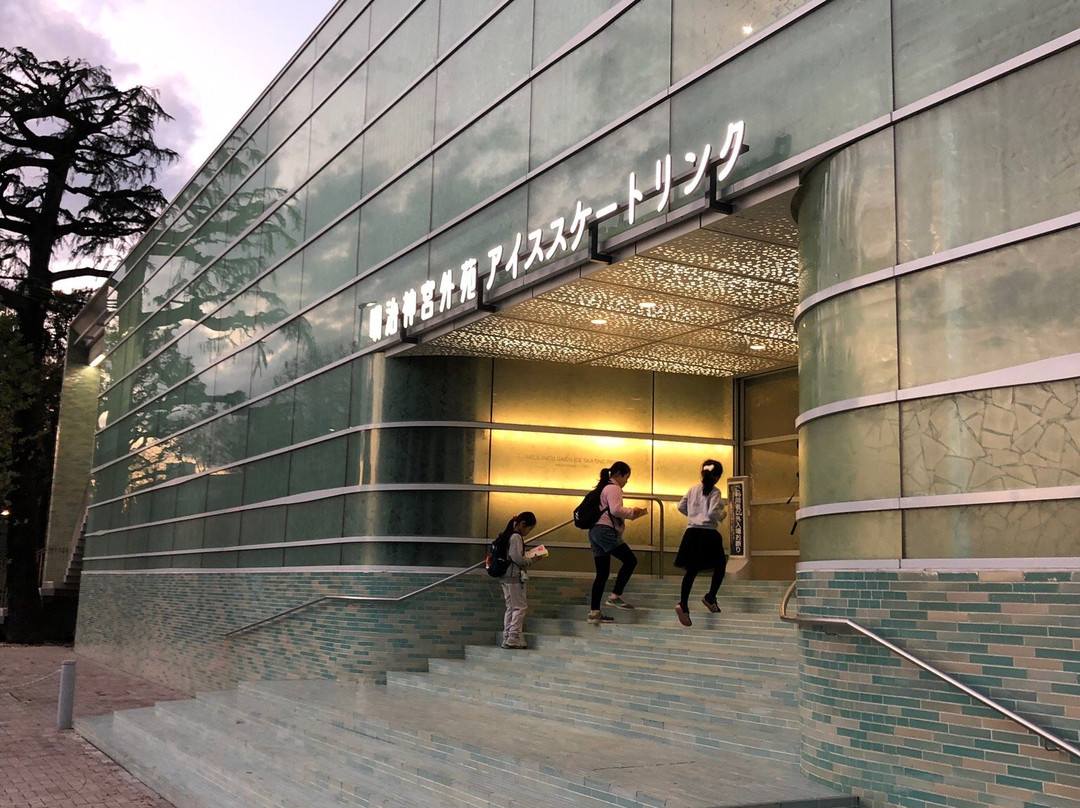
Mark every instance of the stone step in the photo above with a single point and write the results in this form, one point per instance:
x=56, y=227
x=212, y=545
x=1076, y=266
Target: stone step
x=347, y=765
x=618, y=662
x=687, y=701
x=469, y=738
x=720, y=640
x=704, y=621
x=252, y=778
x=642, y=713
x=748, y=688
x=168, y=777
x=136, y=732
x=615, y=718
x=664, y=644
x=742, y=596
x=683, y=775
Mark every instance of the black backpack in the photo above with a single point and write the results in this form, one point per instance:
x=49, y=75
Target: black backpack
x=498, y=561
x=588, y=513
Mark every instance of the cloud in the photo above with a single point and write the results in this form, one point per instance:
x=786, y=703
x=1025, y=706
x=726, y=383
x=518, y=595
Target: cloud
x=54, y=33
x=179, y=134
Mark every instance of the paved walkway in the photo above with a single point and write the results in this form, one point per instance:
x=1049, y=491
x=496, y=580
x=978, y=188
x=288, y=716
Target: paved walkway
x=40, y=766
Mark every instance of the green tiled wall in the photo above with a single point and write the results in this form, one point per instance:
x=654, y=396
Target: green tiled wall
x=170, y=628
x=897, y=736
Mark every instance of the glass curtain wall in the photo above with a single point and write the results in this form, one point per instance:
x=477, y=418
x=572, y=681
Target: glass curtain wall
x=373, y=163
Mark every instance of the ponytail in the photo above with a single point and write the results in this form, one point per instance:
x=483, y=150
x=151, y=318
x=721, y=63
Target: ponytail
x=618, y=467
x=605, y=478
x=528, y=517
x=711, y=472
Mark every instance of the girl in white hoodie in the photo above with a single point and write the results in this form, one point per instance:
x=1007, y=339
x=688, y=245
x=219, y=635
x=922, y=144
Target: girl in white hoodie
x=702, y=547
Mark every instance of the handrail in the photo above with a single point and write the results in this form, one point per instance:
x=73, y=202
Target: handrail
x=378, y=598
x=441, y=581
x=1052, y=742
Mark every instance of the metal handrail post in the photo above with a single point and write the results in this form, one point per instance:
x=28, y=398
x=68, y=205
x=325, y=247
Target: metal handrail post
x=1053, y=740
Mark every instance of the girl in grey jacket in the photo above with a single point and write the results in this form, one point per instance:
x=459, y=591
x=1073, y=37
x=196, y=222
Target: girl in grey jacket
x=513, y=580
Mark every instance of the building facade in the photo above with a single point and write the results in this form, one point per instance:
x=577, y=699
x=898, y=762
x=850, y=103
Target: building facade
x=461, y=255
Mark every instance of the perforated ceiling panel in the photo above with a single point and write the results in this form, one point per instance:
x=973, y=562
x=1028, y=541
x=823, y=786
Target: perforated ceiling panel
x=718, y=301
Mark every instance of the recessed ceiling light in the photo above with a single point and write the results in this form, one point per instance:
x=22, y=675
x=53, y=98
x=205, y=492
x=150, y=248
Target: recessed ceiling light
x=647, y=305
x=747, y=30
x=757, y=346
x=598, y=321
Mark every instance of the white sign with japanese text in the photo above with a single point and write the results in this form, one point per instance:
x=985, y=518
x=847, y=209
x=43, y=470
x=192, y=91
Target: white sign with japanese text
x=532, y=249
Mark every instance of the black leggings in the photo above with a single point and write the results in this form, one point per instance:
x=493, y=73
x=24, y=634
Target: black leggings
x=603, y=570
x=688, y=582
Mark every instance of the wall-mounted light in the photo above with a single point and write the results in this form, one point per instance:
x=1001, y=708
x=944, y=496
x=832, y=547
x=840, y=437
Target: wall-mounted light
x=96, y=353
x=747, y=30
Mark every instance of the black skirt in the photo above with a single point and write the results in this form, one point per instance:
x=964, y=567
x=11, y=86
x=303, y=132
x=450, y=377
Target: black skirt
x=701, y=548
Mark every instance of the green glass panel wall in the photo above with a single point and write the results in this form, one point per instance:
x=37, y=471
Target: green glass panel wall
x=700, y=35
x=489, y=64
x=556, y=24
x=400, y=59
x=1008, y=530
x=400, y=136
x=416, y=513
x=938, y=44
x=1024, y=125
x=951, y=321
x=598, y=173
x=452, y=389
x=834, y=70
x=850, y=456
x=847, y=215
x=487, y=157
x=458, y=18
x=876, y=534
x=397, y=217
x=626, y=64
x=847, y=347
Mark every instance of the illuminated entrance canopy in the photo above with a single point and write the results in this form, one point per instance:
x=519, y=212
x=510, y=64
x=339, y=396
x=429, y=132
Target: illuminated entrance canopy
x=565, y=236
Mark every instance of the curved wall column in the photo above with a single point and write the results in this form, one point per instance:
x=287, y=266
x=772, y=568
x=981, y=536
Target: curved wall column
x=981, y=165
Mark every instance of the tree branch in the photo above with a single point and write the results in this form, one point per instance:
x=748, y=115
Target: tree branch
x=81, y=272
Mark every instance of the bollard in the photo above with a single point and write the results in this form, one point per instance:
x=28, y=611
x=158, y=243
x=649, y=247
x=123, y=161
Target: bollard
x=66, y=702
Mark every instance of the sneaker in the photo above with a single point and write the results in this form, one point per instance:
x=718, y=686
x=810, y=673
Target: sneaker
x=618, y=602
x=598, y=617
x=684, y=618
x=711, y=605
x=514, y=645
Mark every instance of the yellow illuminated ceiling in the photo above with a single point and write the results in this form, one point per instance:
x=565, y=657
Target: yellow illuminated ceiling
x=722, y=297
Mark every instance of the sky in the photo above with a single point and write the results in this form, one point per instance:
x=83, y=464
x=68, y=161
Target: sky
x=208, y=59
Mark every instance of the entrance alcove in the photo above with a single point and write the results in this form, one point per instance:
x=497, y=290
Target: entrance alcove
x=681, y=351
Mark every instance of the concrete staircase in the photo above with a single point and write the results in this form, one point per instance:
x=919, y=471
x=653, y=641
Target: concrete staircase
x=641, y=713
x=69, y=587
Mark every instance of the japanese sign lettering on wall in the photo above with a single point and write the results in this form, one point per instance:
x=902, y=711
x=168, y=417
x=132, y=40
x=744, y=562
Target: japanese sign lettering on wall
x=459, y=285
x=737, y=523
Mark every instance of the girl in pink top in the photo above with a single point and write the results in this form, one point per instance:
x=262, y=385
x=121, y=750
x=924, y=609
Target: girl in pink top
x=605, y=539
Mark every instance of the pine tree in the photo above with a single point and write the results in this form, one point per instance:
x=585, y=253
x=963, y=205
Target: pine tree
x=77, y=166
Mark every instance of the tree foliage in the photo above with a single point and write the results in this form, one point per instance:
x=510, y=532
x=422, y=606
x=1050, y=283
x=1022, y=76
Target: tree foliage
x=18, y=388
x=77, y=166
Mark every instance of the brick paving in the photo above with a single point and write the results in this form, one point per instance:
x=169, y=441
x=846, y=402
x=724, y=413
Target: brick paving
x=40, y=766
